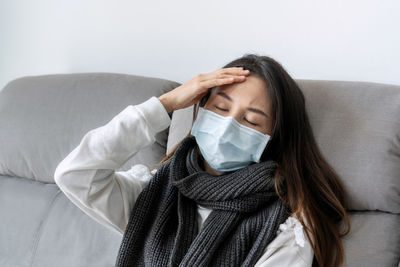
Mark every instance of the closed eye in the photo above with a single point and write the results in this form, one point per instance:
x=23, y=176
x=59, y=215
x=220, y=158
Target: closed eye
x=245, y=119
x=251, y=123
x=221, y=108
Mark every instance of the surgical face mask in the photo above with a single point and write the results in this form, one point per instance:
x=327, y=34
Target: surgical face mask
x=226, y=144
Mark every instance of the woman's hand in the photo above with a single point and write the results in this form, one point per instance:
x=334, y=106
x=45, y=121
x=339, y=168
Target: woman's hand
x=193, y=90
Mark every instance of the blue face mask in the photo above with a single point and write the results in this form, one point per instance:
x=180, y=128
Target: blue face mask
x=226, y=144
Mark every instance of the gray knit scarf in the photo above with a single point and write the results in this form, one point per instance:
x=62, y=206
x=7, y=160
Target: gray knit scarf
x=163, y=231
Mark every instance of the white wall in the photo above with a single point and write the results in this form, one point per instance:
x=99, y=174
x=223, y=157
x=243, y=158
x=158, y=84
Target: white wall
x=334, y=40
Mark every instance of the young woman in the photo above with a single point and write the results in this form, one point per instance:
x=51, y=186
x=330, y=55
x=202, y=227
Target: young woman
x=247, y=186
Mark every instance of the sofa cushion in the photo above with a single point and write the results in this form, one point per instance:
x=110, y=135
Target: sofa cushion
x=41, y=227
x=24, y=204
x=44, y=117
x=374, y=239
x=357, y=127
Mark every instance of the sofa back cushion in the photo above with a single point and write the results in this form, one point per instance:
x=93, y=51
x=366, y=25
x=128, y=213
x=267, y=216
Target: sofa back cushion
x=44, y=117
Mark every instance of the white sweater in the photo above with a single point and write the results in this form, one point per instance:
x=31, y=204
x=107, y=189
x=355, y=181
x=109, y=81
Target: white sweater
x=88, y=178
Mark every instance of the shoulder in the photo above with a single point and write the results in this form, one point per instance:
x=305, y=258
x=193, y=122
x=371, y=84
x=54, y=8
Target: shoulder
x=290, y=233
x=293, y=228
x=290, y=247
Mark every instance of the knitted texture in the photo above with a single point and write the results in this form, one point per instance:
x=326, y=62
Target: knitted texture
x=163, y=230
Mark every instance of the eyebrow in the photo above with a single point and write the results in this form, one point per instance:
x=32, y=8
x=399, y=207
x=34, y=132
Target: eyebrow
x=249, y=108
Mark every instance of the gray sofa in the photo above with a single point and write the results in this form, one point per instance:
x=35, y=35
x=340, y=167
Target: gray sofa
x=42, y=118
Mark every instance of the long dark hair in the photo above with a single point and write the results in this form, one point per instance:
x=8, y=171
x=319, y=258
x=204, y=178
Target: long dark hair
x=304, y=180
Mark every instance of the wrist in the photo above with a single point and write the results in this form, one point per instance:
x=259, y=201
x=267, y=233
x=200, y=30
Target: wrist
x=166, y=103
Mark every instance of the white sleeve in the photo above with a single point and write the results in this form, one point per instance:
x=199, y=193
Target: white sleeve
x=291, y=247
x=87, y=175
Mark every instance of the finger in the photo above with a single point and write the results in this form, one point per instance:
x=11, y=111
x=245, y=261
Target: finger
x=223, y=76
x=233, y=70
x=225, y=73
x=217, y=82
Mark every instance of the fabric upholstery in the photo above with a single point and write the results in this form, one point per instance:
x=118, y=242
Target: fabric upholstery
x=44, y=117
x=357, y=127
x=373, y=240
x=40, y=227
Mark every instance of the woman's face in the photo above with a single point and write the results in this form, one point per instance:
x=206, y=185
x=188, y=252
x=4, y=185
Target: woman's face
x=248, y=102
